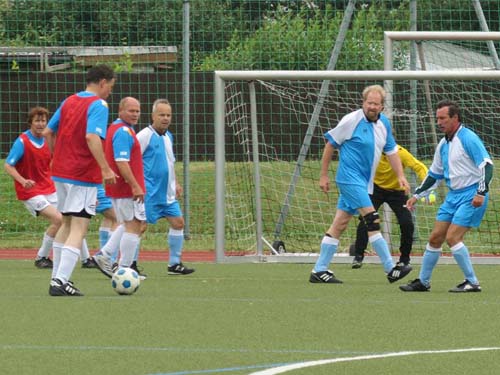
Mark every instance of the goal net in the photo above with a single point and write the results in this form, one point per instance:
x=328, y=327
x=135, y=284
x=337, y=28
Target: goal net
x=269, y=142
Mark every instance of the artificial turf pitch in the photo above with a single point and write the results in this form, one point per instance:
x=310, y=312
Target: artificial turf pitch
x=246, y=318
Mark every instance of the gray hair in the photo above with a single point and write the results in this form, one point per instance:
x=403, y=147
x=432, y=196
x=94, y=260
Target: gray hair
x=159, y=101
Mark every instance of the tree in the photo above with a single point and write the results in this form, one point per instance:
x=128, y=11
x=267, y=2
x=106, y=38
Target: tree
x=303, y=40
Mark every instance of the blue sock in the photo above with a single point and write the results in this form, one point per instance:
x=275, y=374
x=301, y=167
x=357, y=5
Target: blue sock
x=429, y=261
x=461, y=255
x=175, y=243
x=379, y=244
x=327, y=251
x=103, y=237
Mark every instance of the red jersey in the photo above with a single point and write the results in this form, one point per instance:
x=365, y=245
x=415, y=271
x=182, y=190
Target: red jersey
x=34, y=165
x=122, y=189
x=72, y=157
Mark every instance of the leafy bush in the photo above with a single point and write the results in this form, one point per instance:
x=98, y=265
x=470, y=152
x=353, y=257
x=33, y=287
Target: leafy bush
x=303, y=40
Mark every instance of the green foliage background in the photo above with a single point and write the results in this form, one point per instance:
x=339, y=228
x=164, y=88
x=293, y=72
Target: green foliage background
x=225, y=34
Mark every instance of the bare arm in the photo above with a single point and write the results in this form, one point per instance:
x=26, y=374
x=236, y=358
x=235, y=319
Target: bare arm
x=12, y=171
x=324, y=179
x=95, y=146
x=397, y=167
x=50, y=137
x=128, y=176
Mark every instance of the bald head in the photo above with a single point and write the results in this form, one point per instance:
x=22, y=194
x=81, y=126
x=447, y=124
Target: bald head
x=129, y=110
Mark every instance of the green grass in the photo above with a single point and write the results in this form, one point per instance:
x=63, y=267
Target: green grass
x=310, y=213
x=237, y=319
x=18, y=229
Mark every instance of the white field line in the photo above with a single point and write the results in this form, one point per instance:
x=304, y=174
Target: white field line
x=295, y=366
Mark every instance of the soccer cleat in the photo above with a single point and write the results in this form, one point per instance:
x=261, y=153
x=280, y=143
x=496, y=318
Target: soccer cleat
x=415, y=286
x=43, y=262
x=179, y=269
x=357, y=262
x=89, y=263
x=142, y=276
x=466, y=287
x=399, y=271
x=326, y=277
x=104, y=264
x=57, y=288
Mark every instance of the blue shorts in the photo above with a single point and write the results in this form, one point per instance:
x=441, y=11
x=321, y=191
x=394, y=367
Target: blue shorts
x=457, y=208
x=353, y=197
x=157, y=211
x=103, y=201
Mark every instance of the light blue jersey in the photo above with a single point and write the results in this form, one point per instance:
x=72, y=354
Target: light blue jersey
x=123, y=141
x=460, y=161
x=361, y=143
x=158, y=159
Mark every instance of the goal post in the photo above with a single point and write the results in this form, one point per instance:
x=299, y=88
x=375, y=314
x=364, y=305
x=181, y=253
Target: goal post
x=260, y=120
x=480, y=55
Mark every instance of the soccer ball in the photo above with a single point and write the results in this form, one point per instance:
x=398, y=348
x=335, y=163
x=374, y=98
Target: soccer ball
x=125, y=281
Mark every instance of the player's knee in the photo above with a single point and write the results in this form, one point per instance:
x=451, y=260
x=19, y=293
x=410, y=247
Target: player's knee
x=177, y=223
x=372, y=221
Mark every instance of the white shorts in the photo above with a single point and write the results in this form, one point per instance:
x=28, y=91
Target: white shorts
x=39, y=202
x=75, y=198
x=127, y=209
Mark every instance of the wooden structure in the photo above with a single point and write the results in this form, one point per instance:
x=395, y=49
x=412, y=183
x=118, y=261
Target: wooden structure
x=51, y=59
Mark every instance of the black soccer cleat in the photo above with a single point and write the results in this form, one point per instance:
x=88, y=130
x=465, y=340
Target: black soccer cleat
x=357, y=262
x=43, y=262
x=399, y=271
x=179, y=269
x=89, y=263
x=415, y=286
x=324, y=277
x=466, y=287
x=139, y=270
x=57, y=288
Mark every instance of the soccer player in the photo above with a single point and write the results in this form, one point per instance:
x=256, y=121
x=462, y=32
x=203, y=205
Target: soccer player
x=75, y=134
x=386, y=189
x=123, y=153
x=28, y=163
x=462, y=161
x=162, y=188
x=360, y=137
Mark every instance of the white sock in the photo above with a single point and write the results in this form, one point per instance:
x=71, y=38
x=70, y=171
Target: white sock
x=113, y=242
x=69, y=259
x=128, y=244
x=56, y=254
x=85, y=250
x=44, y=250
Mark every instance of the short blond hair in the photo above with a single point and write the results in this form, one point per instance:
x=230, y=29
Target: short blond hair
x=374, y=88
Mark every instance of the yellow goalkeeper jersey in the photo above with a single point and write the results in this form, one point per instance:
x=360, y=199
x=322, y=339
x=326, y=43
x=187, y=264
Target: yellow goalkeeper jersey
x=385, y=176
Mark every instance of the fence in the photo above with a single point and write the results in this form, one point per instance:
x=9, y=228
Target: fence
x=45, y=48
